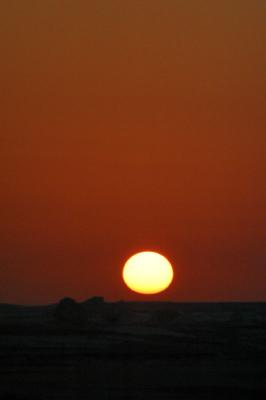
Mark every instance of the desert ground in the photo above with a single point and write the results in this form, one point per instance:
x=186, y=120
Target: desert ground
x=133, y=350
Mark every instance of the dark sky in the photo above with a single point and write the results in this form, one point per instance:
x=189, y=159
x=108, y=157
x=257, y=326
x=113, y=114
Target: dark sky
x=126, y=126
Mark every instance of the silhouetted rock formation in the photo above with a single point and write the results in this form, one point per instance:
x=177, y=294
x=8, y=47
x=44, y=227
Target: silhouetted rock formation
x=69, y=311
x=95, y=308
x=95, y=302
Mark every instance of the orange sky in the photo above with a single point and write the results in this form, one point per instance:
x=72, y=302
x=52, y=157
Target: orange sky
x=132, y=125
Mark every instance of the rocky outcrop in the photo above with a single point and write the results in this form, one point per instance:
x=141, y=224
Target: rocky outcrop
x=93, y=302
x=69, y=311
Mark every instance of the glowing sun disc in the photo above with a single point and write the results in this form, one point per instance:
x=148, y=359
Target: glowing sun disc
x=148, y=272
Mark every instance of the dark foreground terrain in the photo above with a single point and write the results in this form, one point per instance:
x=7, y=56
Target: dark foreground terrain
x=98, y=350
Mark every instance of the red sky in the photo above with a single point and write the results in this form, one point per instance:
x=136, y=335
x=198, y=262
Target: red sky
x=126, y=126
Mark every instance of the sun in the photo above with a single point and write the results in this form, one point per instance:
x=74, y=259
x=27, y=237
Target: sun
x=148, y=272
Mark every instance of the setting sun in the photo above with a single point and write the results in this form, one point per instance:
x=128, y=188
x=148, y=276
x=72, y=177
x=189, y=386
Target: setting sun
x=148, y=273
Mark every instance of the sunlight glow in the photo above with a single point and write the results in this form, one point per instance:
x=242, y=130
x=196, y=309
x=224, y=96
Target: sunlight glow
x=148, y=272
